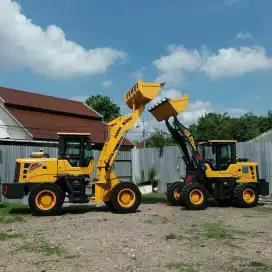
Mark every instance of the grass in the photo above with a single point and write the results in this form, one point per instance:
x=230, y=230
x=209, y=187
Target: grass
x=154, y=198
x=5, y=236
x=171, y=236
x=13, y=212
x=210, y=231
x=157, y=219
x=44, y=248
x=252, y=266
x=218, y=231
x=180, y=267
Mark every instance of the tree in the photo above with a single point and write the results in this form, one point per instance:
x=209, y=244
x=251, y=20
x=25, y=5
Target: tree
x=103, y=105
x=222, y=126
x=160, y=139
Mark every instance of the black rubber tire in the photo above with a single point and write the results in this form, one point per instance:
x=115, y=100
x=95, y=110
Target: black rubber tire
x=174, y=187
x=108, y=204
x=54, y=189
x=238, y=195
x=116, y=207
x=185, y=195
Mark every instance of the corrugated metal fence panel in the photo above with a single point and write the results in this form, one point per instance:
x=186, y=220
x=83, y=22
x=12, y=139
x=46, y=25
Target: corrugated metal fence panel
x=169, y=165
x=122, y=166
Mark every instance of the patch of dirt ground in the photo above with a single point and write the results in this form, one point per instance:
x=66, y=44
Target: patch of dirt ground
x=157, y=238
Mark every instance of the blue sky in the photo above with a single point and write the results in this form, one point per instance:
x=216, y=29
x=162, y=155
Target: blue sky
x=217, y=51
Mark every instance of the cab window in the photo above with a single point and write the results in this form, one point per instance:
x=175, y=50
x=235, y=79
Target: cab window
x=88, y=153
x=72, y=151
x=225, y=157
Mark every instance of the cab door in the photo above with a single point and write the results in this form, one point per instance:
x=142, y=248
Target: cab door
x=75, y=156
x=70, y=159
x=227, y=159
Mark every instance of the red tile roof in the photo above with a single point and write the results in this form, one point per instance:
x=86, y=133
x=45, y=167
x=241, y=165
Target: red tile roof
x=44, y=116
x=45, y=103
x=141, y=144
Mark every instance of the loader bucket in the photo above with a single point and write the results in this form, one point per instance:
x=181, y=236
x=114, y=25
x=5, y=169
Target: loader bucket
x=169, y=108
x=142, y=93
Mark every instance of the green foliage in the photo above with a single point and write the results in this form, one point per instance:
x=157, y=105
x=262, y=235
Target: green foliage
x=222, y=126
x=13, y=212
x=152, y=173
x=4, y=236
x=103, y=105
x=160, y=139
x=142, y=175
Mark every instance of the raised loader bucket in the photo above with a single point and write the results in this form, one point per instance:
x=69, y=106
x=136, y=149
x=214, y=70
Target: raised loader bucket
x=169, y=108
x=142, y=93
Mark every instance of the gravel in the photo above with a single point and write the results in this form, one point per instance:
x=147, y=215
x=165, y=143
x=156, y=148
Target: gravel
x=157, y=238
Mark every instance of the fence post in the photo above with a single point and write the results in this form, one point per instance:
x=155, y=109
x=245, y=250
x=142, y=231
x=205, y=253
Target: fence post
x=135, y=164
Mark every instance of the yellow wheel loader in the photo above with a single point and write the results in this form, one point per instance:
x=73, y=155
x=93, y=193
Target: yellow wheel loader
x=212, y=168
x=48, y=181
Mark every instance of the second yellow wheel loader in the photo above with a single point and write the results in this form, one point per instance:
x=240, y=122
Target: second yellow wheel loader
x=212, y=168
x=47, y=181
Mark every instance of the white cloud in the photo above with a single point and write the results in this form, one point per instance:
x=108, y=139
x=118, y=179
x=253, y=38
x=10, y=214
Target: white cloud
x=227, y=62
x=191, y=115
x=47, y=51
x=167, y=93
x=173, y=65
x=243, y=35
x=236, y=111
x=195, y=111
x=231, y=62
x=138, y=74
x=106, y=83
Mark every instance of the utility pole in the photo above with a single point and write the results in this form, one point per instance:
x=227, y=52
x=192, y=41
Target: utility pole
x=144, y=131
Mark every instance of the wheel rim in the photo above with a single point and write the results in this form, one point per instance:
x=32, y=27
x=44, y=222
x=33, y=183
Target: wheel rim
x=126, y=198
x=176, y=194
x=249, y=195
x=196, y=197
x=45, y=200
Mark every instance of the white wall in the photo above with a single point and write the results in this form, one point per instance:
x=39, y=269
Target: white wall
x=9, y=128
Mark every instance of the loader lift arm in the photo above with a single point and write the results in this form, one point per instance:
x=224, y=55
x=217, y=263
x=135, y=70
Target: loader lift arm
x=183, y=138
x=136, y=99
x=181, y=135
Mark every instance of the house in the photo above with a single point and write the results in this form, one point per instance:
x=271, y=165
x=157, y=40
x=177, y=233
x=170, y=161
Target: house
x=265, y=137
x=143, y=143
x=26, y=116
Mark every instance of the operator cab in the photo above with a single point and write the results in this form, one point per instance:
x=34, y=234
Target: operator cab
x=219, y=154
x=76, y=148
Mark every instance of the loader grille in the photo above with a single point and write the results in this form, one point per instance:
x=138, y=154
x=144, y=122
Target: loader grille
x=17, y=172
